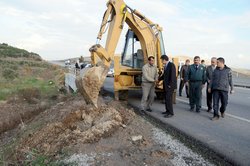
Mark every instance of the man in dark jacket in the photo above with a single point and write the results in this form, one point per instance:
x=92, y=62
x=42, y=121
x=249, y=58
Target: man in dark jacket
x=169, y=84
x=196, y=78
x=209, y=74
x=221, y=80
x=183, y=72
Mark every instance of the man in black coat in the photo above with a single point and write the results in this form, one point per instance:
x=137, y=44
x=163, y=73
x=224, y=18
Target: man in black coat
x=220, y=83
x=183, y=72
x=169, y=84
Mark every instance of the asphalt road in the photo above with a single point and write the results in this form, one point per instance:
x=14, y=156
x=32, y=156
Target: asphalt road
x=229, y=136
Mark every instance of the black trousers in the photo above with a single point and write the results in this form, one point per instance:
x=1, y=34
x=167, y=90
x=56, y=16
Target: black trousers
x=181, y=87
x=219, y=95
x=169, y=101
x=209, y=98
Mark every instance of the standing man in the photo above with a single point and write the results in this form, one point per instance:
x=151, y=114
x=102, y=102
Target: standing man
x=149, y=79
x=221, y=80
x=203, y=63
x=183, y=72
x=209, y=74
x=196, y=78
x=169, y=84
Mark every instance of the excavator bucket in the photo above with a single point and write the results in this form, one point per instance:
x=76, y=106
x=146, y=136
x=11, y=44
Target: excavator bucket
x=90, y=81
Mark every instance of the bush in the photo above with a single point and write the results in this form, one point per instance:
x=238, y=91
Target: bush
x=30, y=94
x=9, y=74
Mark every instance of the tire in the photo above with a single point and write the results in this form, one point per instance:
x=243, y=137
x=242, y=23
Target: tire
x=123, y=95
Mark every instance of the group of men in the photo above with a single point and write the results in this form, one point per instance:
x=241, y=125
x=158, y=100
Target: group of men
x=217, y=76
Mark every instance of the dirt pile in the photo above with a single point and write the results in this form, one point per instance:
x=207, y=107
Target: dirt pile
x=86, y=125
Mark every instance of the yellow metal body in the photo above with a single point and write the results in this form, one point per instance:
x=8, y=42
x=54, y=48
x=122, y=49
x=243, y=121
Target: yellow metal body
x=147, y=32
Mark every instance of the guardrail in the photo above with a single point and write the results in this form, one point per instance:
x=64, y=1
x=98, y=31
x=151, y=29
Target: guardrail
x=70, y=79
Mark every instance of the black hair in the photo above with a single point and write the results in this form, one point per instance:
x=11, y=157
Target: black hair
x=165, y=57
x=222, y=60
x=151, y=57
x=197, y=57
x=202, y=60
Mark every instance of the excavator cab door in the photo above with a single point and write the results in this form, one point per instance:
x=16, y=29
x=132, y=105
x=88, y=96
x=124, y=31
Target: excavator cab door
x=132, y=55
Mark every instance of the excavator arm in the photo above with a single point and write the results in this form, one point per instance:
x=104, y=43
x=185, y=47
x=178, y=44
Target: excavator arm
x=117, y=14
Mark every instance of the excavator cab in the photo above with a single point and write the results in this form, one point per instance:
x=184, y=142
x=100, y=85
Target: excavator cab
x=132, y=55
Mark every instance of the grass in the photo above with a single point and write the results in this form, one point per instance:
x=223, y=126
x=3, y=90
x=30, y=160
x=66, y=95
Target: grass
x=8, y=89
x=20, y=73
x=34, y=158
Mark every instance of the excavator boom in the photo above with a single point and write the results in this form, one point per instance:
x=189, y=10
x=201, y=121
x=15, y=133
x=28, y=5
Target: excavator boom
x=91, y=80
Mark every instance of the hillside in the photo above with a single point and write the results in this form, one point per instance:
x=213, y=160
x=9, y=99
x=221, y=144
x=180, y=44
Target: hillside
x=20, y=69
x=13, y=52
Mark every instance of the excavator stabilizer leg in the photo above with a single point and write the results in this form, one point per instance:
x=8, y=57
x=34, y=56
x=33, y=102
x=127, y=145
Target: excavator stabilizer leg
x=90, y=81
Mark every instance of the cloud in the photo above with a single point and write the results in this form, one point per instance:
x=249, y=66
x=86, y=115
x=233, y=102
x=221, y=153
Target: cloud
x=61, y=29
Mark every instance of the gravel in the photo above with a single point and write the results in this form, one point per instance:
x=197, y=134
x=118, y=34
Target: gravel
x=183, y=156
x=84, y=159
x=80, y=159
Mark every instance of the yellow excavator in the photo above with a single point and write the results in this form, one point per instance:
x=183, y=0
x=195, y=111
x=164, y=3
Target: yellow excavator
x=143, y=39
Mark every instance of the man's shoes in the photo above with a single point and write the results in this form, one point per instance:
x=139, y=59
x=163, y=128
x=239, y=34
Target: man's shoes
x=149, y=110
x=191, y=109
x=142, y=112
x=168, y=116
x=209, y=110
x=215, y=118
x=165, y=112
x=223, y=114
x=198, y=110
x=180, y=94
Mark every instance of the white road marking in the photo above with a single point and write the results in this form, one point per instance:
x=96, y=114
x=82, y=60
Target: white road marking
x=230, y=115
x=242, y=88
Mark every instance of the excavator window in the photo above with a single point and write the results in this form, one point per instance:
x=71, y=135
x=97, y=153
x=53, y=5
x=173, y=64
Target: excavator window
x=162, y=44
x=132, y=55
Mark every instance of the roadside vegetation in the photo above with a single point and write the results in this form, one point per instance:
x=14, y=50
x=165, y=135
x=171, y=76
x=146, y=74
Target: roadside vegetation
x=21, y=71
x=28, y=86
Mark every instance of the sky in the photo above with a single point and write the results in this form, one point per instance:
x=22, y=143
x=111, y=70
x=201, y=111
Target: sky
x=61, y=29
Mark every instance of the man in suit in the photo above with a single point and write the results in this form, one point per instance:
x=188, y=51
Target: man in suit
x=169, y=84
x=209, y=74
x=196, y=78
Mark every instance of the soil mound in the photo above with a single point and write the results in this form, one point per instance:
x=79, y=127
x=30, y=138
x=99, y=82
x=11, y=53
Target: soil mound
x=86, y=125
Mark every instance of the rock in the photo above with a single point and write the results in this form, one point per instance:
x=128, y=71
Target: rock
x=136, y=138
x=123, y=125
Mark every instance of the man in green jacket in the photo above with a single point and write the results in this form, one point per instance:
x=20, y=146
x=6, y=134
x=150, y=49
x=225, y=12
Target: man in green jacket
x=196, y=78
